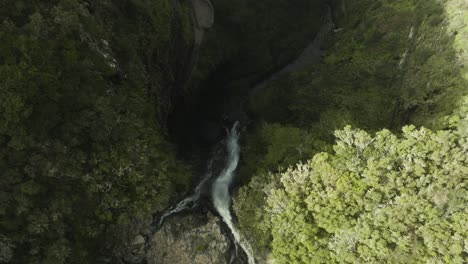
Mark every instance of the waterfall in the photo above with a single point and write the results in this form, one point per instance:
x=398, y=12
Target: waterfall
x=220, y=190
x=187, y=203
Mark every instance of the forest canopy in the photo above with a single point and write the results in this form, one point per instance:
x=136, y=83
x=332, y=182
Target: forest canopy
x=358, y=158
x=379, y=198
x=82, y=153
x=343, y=196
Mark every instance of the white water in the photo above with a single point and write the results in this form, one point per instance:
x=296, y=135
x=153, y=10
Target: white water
x=220, y=191
x=185, y=203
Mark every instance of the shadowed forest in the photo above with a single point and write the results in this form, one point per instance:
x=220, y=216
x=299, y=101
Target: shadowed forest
x=359, y=158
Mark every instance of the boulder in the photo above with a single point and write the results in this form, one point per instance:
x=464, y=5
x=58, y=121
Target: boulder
x=194, y=239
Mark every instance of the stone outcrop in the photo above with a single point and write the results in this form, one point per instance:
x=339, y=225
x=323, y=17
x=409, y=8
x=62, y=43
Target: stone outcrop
x=194, y=239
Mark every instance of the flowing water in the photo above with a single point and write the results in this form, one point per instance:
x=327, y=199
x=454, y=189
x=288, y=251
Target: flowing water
x=219, y=192
x=226, y=157
x=221, y=180
x=191, y=201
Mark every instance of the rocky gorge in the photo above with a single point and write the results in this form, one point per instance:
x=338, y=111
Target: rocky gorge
x=197, y=238
x=198, y=131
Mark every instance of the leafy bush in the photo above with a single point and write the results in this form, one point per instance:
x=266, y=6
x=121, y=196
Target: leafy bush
x=272, y=147
x=376, y=199
x=391, y=65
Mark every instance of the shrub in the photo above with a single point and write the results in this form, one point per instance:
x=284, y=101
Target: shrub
x=376, y=199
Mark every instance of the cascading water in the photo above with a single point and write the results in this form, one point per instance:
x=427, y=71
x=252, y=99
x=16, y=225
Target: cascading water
x=220, y=185
x=220, y=190
x=190, y=202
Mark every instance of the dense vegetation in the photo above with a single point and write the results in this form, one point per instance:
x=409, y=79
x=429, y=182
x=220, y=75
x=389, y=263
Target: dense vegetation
x=82, y=152
x=376, y=199
x=87, y=88
x=393, y=63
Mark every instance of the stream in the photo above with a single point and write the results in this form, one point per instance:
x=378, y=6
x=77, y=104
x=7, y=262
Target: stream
x=216, y=183
x=220, y=191
x=221, y=167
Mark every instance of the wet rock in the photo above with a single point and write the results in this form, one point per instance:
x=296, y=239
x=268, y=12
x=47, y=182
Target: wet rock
x=194, y=239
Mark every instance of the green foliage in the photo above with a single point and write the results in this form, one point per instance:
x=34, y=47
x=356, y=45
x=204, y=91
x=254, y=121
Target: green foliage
x=389, y=66
x=434, y=82
x=393, y=63
x=271, y=147
x=376, y=199
x=357, y=74
x=253, y=218
x=81, y=152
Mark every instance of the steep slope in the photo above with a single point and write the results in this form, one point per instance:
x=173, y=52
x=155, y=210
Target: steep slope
x=105, y=105
x=85, y=90
x=388, y=64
